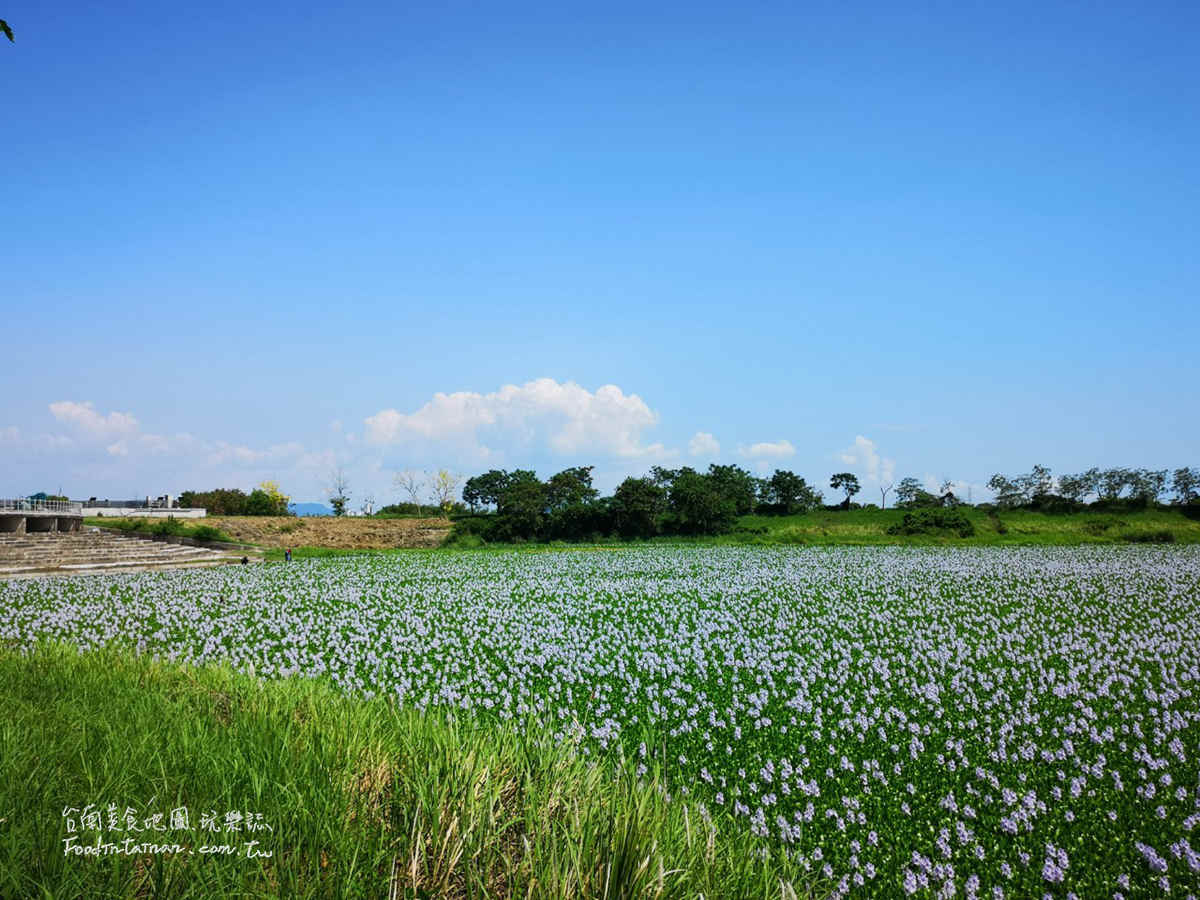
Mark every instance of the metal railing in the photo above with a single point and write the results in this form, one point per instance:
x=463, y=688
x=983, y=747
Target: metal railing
x=23, y=504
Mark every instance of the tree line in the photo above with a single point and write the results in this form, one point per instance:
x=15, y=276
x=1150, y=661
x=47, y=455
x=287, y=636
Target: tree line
x=517, y=505
x=1038, y=489
x=265, y=500
x=665, y=502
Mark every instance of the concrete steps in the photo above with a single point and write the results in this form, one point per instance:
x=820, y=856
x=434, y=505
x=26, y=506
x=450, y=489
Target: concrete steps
x=99, y=551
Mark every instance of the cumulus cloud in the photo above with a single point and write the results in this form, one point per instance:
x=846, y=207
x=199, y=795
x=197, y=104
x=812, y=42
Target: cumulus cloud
x=566, y=417
x=704, y=444
x=768, y=450
x=863, y=455
x=84, y=417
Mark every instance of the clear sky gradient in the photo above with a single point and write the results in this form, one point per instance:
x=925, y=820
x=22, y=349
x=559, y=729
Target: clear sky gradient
x=261, y=239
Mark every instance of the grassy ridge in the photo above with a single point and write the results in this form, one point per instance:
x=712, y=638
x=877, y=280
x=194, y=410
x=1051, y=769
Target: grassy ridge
x=170, y=526
x=363, y=799
x=1001, y=528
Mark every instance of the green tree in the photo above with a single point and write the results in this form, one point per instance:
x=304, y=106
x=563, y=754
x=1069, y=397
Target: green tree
x=1147, y=485
x=259, y=503
x=514, y=479
x=1037, y=483
x=1113, y=481
x=637, y=507
x=571, y=487
x=8, y=32
x=907, y=490
x=1076, y=487
x=736, y=485
x=1185, y=483
x=791, y=493
x=218, y=502
x=522, y=508
x=278, y=499
x=698, y=506
x=1008, y=493
x=664, y=478
x=845, y=481
x=485, y=489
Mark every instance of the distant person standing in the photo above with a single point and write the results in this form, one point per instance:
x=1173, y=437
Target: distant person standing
x=287, y=555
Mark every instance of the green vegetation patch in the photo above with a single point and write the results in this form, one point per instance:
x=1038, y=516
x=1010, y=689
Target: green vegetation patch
x=933, y=521
x=317, y=794
x=159, y=527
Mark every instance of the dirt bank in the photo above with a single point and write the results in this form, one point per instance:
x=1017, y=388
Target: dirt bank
x=346, y=533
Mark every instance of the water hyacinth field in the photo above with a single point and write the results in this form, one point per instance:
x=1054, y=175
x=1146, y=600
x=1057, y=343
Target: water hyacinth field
x=929, y=722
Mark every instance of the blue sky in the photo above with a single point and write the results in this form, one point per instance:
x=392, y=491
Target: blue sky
x=242, y=241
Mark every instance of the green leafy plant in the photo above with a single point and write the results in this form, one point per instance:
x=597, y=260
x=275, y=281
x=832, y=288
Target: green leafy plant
x=930, y=521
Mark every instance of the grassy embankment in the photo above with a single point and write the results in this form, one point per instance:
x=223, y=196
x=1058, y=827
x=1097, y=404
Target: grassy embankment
x=363, y=799
x=157, y=527
x=997, y=528
x=316, y=538
x=1001, y=527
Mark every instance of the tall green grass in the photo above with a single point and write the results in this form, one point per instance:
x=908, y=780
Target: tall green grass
x=999, y=528
x=170, y=526
x=364, y=799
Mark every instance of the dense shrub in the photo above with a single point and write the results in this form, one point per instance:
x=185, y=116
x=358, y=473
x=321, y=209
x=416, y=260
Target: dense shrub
x=170, y=526
x=1056, y=505
x=478, y=529
x=1098, y=527
x=931, y=521
x=1161, y=536
x=235, y=502
x=208, y=533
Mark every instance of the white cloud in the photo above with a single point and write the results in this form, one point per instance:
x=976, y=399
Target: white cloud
x=864, y=455
x=223, y=452
x=85, y=417
x=106, y=452
x=704, y=444
x=964, y=490
x=565, y=417
x=768, y=450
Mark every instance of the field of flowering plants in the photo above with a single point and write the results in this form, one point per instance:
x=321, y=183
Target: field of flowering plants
x=933, y=722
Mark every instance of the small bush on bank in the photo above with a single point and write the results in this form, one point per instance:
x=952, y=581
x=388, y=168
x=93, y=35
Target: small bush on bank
x=168, y=527
x=1097, y=527
x=1160, y=536
x=932, y=521
x=208, y=533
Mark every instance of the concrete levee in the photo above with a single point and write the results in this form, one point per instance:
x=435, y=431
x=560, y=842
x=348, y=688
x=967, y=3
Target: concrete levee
x=144, y=512
x=26, y=515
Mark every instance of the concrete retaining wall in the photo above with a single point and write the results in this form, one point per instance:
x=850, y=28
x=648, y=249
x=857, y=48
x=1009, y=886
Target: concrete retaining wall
x=133, y=512
x=38, y=523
